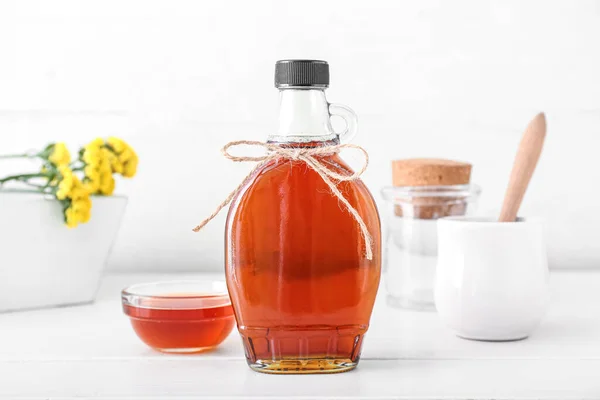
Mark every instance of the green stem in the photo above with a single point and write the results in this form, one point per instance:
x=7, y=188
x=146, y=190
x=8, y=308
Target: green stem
x=22, y=177
x=18, y=156
x=39, y=187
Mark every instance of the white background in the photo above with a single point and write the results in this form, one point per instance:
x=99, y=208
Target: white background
x=178, y=79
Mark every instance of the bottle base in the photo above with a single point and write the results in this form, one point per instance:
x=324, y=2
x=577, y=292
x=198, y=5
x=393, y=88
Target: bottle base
x=311, y=349
x=304, y=366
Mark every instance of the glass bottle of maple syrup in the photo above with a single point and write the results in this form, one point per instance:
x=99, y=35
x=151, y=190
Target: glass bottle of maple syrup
x=301, y=285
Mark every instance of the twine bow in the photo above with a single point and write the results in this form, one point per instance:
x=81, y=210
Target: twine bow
x=307, y=155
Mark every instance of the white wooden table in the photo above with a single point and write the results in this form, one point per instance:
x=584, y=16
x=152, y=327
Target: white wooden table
x=91, y=352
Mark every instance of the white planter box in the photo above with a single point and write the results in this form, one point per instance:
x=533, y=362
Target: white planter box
x=42, y=262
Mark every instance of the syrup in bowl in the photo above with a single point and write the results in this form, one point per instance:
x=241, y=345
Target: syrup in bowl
x=180, y=316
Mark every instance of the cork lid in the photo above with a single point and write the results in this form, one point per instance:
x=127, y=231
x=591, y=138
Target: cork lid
x=430, y=172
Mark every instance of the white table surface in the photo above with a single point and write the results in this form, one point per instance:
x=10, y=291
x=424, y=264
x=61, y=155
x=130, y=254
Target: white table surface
x=91, y=352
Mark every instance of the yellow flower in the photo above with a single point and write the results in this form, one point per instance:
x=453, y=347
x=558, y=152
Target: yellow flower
x=85, y=216
x=91, y=173
x=130, y=167
x=104, y=164
x=95, y=156
x=115, y=163
x=92, y=179
x=117, y=144
x=78, y=212
x=107, y=184
x=103, y=159
x=71, y=218
x=91, y=186
x=79, y=192
x=65, y=184
x=91, y=156
x=92, y=152
x=127, y=160
x=80, y=205
x=98, y=142
x=126, y=155
x=75, y=195
x=60, y=154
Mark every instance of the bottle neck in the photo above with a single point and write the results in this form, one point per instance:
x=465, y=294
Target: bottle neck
x=303, y=117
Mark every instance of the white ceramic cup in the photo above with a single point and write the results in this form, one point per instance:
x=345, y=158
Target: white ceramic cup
x=491, y=278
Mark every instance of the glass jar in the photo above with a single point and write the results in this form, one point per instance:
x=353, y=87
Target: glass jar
x=410, y=250
x=301, y=284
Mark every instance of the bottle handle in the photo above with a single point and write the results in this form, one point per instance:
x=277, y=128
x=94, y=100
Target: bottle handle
x=351, y=121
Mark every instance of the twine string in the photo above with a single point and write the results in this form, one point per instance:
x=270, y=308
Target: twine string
x=307, y=155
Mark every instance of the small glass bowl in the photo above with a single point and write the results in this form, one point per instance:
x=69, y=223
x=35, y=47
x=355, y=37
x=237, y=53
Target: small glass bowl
x=179, y=316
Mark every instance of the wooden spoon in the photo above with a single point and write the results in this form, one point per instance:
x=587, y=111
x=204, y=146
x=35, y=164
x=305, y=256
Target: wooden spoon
x=525, y=162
